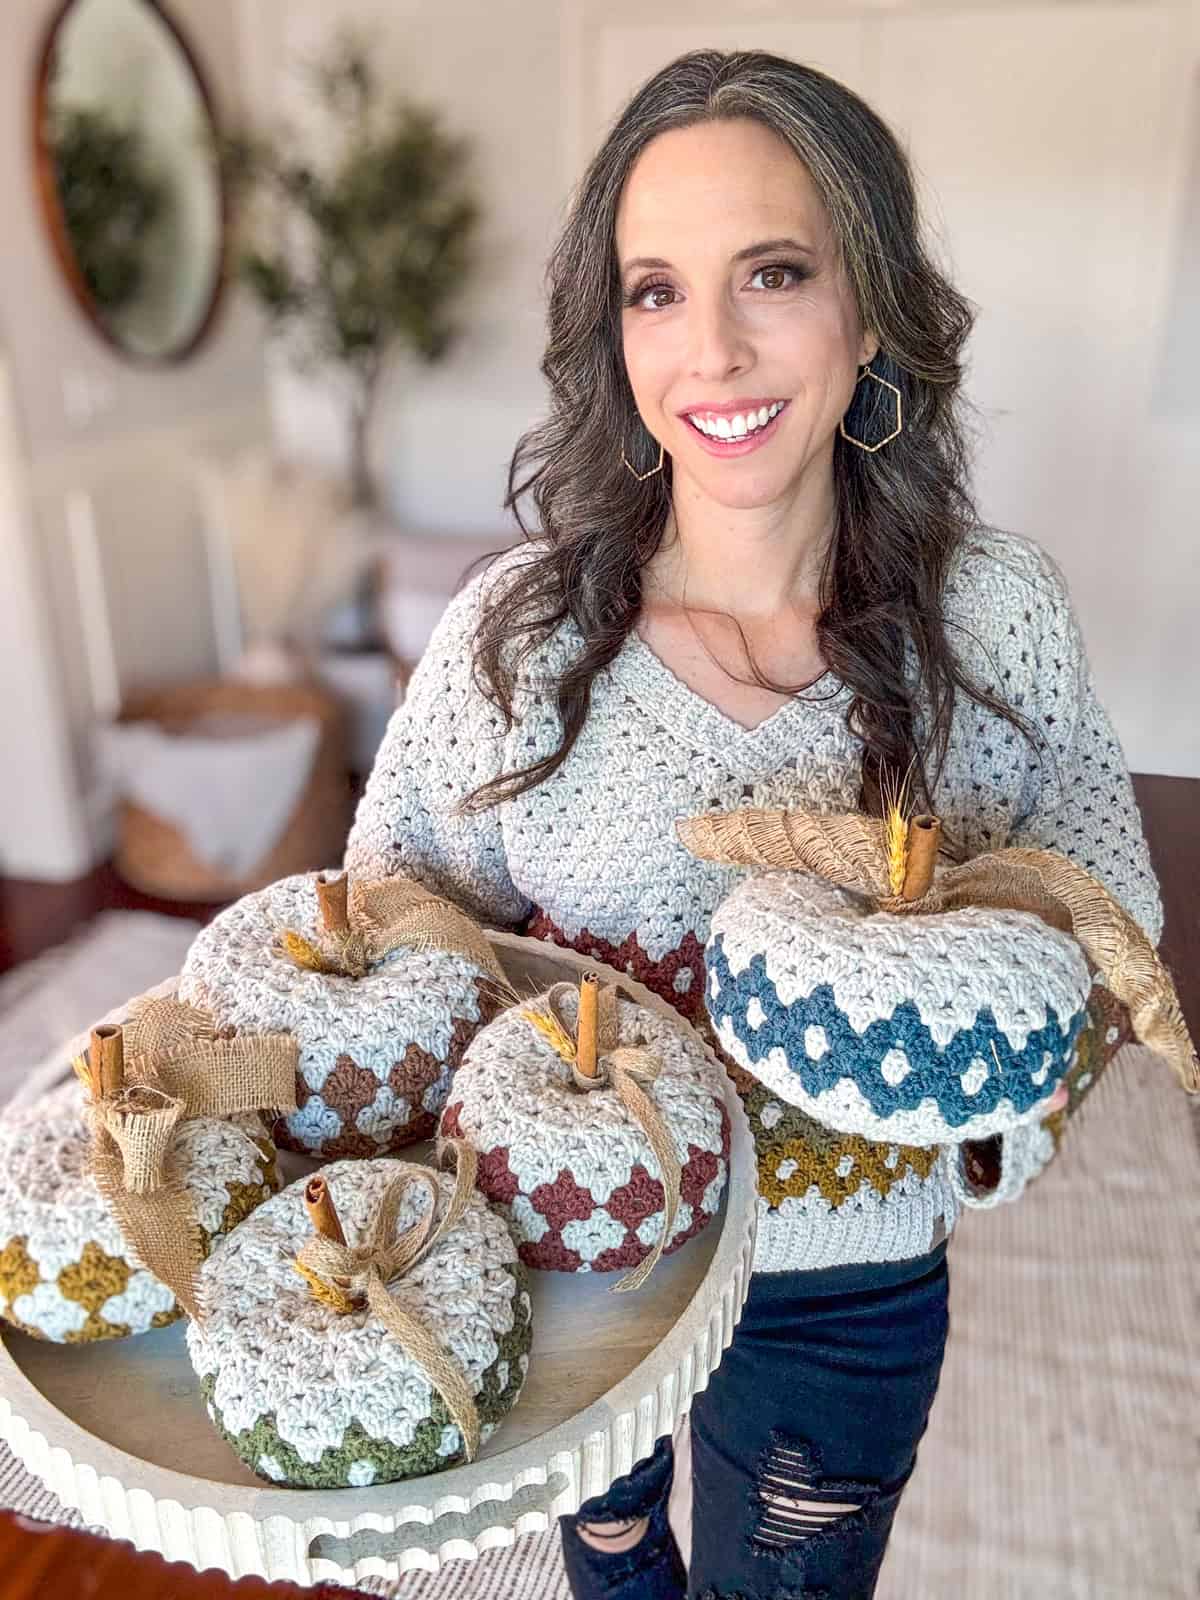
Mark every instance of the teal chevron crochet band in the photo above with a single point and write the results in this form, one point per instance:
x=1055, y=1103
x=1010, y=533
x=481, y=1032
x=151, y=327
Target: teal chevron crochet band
x=896, y=1064
x=923, y=1029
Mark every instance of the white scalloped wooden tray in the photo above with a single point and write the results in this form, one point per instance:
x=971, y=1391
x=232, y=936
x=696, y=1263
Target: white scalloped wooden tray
x=118, y=1430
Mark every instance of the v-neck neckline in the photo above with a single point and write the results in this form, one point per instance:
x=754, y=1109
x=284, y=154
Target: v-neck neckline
x=684, y=711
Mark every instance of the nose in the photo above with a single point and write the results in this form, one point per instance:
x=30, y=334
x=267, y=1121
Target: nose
x=717, y=339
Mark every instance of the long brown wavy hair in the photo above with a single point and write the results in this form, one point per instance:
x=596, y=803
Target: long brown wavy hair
x=902, y=511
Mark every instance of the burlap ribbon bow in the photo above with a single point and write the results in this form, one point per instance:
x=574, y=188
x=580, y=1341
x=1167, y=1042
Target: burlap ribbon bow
x=860, y=853
x=175, y=1068
x=628, y=1070
x=352, y=1274
x=366, y=920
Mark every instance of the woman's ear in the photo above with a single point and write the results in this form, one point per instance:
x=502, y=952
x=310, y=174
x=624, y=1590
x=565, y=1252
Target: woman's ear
x=868, y=349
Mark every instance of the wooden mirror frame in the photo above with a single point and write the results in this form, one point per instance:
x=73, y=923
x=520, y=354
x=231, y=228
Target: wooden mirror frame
x=46, y=185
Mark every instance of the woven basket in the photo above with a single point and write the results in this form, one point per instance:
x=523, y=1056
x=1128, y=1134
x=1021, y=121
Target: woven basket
x=153, y=855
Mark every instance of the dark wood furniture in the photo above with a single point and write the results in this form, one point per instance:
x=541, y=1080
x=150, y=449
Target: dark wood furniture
x=39, y=1561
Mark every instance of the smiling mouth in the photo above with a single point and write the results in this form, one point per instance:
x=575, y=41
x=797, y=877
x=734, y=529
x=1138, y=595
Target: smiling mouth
x=740, y=444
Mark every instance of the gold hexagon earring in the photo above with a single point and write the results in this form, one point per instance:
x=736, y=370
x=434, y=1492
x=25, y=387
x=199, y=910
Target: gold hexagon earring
x=898, y=429
x=649, y=473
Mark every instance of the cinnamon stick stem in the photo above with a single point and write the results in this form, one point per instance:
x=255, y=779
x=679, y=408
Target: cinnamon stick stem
x=322, y=1212
x=924, y=837
x=106, y=1061
x=586, y=1028
x=333, y=898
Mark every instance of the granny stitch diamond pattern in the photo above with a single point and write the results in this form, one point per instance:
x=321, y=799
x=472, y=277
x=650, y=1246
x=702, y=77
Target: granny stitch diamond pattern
x=317, y=1399
x=923, y=1029
x=376, y=1053
x=65, y=1269
x=589, y=858
x=573, y=1171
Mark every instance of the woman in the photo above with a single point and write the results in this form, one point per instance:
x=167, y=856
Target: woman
x=759, y=579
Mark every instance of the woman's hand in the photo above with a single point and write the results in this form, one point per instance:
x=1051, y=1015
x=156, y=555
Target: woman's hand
x=981, y=1157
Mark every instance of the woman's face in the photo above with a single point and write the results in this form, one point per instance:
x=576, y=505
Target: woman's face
x=730, y=320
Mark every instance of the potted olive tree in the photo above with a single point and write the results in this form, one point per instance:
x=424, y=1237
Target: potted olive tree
x=356, y=252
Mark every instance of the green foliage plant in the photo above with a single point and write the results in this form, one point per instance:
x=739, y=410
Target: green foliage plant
x=362, y=252
x=110, y=199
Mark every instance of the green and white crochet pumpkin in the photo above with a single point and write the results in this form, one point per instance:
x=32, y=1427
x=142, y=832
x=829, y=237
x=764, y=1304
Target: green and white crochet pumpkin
x=315, y=1397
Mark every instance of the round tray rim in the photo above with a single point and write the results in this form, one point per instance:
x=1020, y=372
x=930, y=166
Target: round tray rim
x=268, y=1532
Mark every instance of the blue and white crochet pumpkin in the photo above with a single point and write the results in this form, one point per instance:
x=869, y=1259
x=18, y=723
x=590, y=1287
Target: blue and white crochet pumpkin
x=910, y=1002
x=918, y=1030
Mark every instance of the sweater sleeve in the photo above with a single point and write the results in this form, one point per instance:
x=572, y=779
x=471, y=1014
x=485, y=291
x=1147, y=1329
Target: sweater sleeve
x=1080, y=799
x=442, y=742
x=1077, y=798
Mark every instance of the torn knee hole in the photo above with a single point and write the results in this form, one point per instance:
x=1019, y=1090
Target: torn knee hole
x=613, y=1537
x=795, y=1503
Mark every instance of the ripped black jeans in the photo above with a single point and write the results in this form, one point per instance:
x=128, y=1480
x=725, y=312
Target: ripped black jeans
x=802, y=1445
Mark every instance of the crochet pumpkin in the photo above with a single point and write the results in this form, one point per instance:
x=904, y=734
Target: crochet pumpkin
x=890, y=997
x=600, y=1163
x=393, y=1354
x=67, y=1272
x=364, y=978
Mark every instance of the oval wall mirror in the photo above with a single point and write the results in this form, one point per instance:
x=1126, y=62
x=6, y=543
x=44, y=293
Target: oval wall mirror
x=128, y=175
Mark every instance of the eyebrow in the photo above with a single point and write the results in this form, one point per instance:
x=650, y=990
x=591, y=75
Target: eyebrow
x=763, y=247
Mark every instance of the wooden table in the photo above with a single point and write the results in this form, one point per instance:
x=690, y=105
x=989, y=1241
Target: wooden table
x=39, y=1561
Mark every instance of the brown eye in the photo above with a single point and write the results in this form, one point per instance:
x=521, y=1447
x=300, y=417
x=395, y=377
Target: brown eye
x=779, y=272
x=638, y=297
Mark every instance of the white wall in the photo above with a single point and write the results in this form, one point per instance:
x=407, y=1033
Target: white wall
x=43, y=828
x=1059, y=149
x=495, y=72
x=96, y=502
x=1057, y=144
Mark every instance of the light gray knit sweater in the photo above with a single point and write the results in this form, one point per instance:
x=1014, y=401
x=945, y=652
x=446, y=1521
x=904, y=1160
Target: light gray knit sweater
x=590, y=857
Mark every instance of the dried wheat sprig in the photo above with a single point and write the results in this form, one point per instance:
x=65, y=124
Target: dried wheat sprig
x=552, y=1030
x=328, y=1294
x=896, y=794
x=506, y=990
x=302, y=952
x=895, y=842
x=345, y=955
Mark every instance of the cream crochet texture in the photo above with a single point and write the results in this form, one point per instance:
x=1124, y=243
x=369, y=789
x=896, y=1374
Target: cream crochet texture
x=66, y=1272
x=314, y=1398
x=513, y=1099
x=589, y=858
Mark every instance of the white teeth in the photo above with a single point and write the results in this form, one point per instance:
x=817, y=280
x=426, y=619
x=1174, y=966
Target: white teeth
x=739, y=426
